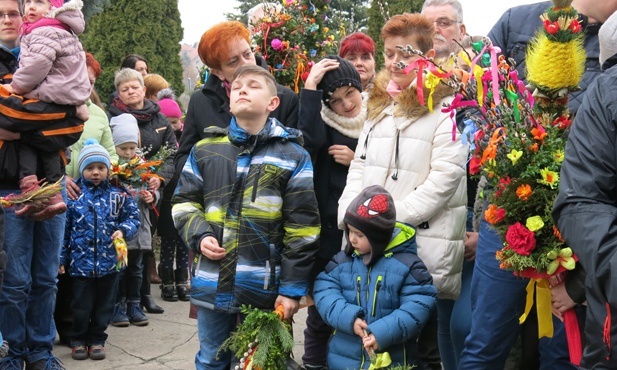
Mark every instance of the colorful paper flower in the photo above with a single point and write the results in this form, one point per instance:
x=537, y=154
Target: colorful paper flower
x=514, y=155
x=534, y=223
x=523, y=192
x=520, y=239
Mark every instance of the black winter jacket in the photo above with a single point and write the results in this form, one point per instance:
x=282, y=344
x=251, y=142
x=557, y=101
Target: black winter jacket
x=586, y=211
x=35, y=121
x=518, y=25
x=153, y=134
x=210, y=107
x=330, y=176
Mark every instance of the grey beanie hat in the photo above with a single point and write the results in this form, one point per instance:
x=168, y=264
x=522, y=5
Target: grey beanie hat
x=124, y=129
x=345, y=75
x=607, y=36
x=373, y=213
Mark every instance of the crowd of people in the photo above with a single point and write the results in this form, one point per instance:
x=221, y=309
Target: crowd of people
x=353, y=193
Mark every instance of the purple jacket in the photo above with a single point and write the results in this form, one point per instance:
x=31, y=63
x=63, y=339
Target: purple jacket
x=52, y=64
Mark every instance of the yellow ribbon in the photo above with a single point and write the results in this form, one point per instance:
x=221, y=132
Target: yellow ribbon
x=543, y=306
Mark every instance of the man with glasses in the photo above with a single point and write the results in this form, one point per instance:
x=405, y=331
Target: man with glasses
x=447, y=16
x=29, y=291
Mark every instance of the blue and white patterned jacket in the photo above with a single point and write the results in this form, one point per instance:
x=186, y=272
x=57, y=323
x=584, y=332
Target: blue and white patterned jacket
x=91, y=219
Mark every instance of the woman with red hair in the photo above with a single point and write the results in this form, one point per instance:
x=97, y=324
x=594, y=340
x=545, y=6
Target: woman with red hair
x=359, y=49
x=224, y=48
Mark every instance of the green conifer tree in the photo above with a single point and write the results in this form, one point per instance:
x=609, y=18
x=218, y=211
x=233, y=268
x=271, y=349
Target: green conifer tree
x=151, y=28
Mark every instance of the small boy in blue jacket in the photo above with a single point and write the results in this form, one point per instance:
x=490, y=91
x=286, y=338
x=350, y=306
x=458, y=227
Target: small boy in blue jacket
x=376, y=293
x=99, y=215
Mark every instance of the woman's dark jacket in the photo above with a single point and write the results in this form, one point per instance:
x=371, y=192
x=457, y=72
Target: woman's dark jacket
x=210, y=107
x=330, y=176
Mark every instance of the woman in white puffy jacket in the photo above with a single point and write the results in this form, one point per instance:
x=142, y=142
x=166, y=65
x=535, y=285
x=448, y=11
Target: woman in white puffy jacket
x=414, y=153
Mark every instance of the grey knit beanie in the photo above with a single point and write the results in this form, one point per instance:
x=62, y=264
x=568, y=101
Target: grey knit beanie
x=345, y=75
x=607, y=37
x=124, y=129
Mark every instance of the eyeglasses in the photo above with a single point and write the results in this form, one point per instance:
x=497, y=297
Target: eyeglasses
x=12, y=16
x=443, y=23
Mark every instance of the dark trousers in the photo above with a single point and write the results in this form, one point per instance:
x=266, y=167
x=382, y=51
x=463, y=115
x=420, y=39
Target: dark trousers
x=428, y=347
x=29, y=157
x=93, y=306
x=131, y=278
x=317, y=333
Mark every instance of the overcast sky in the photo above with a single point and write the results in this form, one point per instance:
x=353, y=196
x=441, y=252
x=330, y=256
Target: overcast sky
x=199, y=15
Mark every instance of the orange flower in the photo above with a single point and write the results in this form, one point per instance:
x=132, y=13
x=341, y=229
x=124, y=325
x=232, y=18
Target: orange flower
x=494, y=214
x=523, y=192
x=557, y=234
x=538, y=133
x=533, y=148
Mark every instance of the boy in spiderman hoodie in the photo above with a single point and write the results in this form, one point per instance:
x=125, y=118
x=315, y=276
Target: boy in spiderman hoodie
x=371, y=310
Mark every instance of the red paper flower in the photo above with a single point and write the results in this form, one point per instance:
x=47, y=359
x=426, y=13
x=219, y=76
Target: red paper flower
x=475, y=165
x=520, y=239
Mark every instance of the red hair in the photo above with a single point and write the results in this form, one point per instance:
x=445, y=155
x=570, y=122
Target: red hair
x=214, y=44
x=404, y=25
x=357, y=42
x=94, y=64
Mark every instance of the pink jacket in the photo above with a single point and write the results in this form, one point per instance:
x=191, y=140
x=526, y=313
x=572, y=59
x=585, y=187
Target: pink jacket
x=52, y=63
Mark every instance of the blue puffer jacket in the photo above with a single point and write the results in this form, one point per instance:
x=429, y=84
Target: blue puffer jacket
x=395, y=296
x=99, y=211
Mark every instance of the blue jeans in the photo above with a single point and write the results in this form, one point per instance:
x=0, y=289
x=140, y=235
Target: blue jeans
x=29, y=293
x=497, y=302
x=213, y=328
x=455, y=315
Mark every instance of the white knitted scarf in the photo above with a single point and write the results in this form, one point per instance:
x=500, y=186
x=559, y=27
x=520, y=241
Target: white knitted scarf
x=350, y=127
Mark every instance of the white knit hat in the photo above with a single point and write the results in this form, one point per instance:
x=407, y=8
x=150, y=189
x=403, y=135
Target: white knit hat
x=607, y=37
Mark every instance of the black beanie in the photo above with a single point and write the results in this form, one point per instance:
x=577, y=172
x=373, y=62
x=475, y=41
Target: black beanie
x=345, y=75
x=373, y=213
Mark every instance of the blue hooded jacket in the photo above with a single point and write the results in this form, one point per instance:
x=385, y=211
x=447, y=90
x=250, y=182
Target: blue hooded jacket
x=395, y=296
x=91, y=219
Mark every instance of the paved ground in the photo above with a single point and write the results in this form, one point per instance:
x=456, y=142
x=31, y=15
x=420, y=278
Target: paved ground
x=168, y=342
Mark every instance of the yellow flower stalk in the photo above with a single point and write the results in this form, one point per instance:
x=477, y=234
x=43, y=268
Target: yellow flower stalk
x=544, y=54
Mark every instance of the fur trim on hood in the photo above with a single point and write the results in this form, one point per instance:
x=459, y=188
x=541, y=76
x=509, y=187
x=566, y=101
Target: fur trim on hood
x=71, y=5
x=407, y=102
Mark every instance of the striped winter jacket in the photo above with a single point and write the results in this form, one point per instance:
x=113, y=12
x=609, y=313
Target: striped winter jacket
x=100, y=210
x=254, y=194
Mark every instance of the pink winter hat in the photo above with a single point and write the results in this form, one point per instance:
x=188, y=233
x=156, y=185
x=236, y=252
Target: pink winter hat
x=56, y=3
x=170, y=108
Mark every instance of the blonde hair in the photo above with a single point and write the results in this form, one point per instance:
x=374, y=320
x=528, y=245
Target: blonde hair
x=154, y=83
x=127, y=74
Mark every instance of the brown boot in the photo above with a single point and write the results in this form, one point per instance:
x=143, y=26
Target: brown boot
x=154, y=277
x=55, y=206
x=28, y=183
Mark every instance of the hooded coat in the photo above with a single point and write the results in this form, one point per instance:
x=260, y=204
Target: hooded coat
x=91, y=219
x=394, y=295
x=585, y=212
x=411, y=153
x=52, y=64
x=260, y=206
